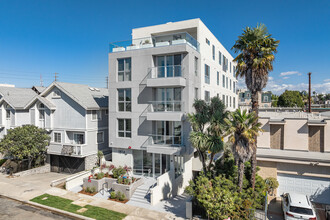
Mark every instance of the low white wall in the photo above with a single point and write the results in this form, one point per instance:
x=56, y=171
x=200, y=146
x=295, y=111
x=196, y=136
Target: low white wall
x=163, y=188
x=42, y=169
x=76, y=179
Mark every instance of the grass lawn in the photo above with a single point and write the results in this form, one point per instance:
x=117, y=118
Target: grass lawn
x=65, y=204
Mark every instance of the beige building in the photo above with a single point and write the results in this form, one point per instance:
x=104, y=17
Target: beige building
x=295, y=149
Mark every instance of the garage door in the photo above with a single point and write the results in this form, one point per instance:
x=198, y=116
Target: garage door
x=317, y=188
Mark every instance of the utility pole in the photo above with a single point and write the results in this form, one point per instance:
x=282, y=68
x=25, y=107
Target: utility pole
x=309, y=93
x=56, y=76
x=41, y=81
x=107, y=82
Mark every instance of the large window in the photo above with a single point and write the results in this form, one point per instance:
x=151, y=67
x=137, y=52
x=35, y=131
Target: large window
x=234, y=102
x=220, y=56
x=224, y=99
x=196, y=93
x=230, y=84
x=226, y=82
x=100, y=137
x=218, y=78
x=234, y=71
x=79, y=138
x=124, y=128
x=57, y=137
x=96, y=115
x=124, y=69
x=234, y=87
x=8, y=114
x=167, y=132
x=169, y=66
x=223, y=81
x=168, y=99
x=196, y=66
x=207, y=74
x=213, y=52
x=178, y=165
x=124, y=100
x=41, y=109
x=207, y=96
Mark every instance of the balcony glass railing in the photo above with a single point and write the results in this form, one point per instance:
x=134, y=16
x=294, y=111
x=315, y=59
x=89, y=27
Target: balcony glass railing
x=166, y=71
x=155, y=41
x=169, y=140
x=166, y=106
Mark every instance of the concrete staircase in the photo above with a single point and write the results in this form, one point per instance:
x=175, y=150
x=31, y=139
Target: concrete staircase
x=141, y=196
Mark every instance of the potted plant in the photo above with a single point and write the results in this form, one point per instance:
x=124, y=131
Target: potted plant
x=132, y=47
x=147, y=44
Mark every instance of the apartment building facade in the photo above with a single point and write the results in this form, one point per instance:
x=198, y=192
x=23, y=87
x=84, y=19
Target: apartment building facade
x=74, y=115
x=244, y=99
x=153, y=81
x=295, y=149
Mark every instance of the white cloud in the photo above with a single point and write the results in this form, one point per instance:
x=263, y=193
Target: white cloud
x=326, y=80
x=290, y=73
x=280, y=88
x=286, y=77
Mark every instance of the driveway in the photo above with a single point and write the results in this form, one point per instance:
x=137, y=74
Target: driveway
x=27, y=187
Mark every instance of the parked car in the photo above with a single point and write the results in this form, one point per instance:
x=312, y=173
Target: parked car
x=297, y=206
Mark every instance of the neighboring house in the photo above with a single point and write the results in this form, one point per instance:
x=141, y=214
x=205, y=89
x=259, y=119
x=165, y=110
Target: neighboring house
x=12, y=107
x=75, y=116
x=244, y=99
x=153, y=82
x=294, y=148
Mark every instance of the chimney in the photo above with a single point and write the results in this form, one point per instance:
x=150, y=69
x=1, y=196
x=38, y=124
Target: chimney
x=309, y=93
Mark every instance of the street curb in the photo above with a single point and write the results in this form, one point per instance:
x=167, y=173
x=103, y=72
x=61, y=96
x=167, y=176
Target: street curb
x=51, y=209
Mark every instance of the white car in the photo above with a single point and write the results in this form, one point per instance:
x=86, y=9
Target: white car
x=297, y=206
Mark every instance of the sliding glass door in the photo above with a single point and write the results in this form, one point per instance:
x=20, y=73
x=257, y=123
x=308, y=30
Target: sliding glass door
x=167, y=132
x=169, y=66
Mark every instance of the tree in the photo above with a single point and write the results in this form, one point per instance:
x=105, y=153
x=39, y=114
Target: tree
x=207, y=129
x=25, y=142
x=242, y=128
x=256, y=49
x=274, y=100
x=290, y=99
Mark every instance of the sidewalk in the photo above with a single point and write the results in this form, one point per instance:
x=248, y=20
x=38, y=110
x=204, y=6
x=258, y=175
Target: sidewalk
x=28, y=187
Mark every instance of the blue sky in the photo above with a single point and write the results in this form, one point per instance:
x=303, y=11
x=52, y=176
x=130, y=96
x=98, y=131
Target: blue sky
x=71, y=37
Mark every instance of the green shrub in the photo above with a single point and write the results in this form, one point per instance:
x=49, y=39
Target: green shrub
x=113, y=195
x=271, y=184
x=93, y=190
x=2, y=161
x=120, y=180
x=100, y=176
x=127, y=181
x=117, y=172
x=120, y=196
x=88, y=189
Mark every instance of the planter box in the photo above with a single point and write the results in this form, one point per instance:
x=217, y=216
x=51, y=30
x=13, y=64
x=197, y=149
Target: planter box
x=117, y=49
x=132, y=47
x=147, y=45
x=128, y=190
x=160, y=44
x=180, y=41
x=97, y=184
x=109, y=182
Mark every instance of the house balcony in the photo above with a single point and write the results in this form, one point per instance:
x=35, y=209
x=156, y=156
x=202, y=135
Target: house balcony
x=165, y=110
x=166, y=76
x=155, y=41
x=76, y=150
x=164, y=144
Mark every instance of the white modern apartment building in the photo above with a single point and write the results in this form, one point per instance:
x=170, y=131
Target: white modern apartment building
x=154, y=79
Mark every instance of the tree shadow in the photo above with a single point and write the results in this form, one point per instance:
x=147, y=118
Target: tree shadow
x=322, y=195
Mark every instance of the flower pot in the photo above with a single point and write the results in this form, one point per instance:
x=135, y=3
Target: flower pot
x=117, y=49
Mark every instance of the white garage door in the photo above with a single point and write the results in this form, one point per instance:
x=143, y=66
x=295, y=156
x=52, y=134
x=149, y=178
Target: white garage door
x=317, y=188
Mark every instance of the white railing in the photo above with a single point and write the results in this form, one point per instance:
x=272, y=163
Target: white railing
x=166, y=106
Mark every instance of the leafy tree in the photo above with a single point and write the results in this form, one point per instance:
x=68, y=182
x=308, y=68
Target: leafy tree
x=290, y=99
x=25, y=142
x=274, y=100
x=256, y=49
x=207, y=129
x=242, y=127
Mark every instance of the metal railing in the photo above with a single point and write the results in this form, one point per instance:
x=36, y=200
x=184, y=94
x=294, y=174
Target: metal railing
x=166, y=106
x=155, y=41
x=166, y=71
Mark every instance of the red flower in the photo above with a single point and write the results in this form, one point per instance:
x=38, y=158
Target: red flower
x=129, y=147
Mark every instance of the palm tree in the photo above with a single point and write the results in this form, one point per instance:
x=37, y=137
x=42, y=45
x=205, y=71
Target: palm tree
x=207, y=129
x=256, y=50
x=242, y=127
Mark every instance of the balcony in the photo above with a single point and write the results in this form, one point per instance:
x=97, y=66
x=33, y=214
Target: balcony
x=66, y=149
x=165, y=110
x=166, y=76
x=164, y=144
x=155, y=41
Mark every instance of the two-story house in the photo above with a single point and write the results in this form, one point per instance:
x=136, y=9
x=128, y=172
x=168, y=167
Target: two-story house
x=294, y=148
x=244, y=99
x=154, y=79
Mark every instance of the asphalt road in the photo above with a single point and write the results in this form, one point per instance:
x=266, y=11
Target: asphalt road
x=14, y=210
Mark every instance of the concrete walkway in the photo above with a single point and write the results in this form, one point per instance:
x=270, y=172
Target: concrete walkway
x=28, y=187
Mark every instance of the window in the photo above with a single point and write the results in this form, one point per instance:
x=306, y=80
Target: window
x=234, y=71
x=230, y=101
x=96, y=115
x=218, y=79
x=106, y=112
x=224, y=99
x=124, y=69
x=7, y=114
x=213, y=52
x=223, y=81
x=124, y=128
x=207, y=74
x=100, y=137
x=207, y=96
x=225, y=64
x=226, y=82
x=124, y=100
x=178, y=165
x=57, y=137
x=220, y=56
x=196, y=93
x=230, y=84
x=41, y=108
x=207, y=41
x=230, y=67
x=167, y=99
x=79, y=138
x=234, y=102
x=265, y=98
x=196, y=66
x=168, y=66
x=56, y=94
x=234, y=87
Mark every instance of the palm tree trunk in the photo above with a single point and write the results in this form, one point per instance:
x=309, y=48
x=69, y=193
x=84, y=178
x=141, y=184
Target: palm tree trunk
x=255, y=107
x=240, y=175
x=202, y=158
x=210, y=163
